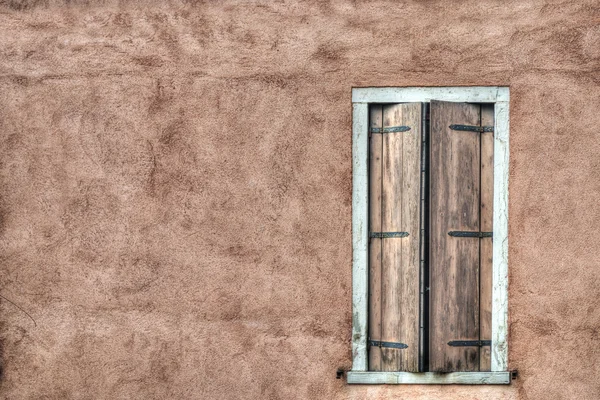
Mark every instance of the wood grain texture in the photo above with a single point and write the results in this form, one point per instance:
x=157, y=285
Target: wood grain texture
x=375, y=170
x=411, y=222
x=400, y=257
x=454, y=262
x=486, y=225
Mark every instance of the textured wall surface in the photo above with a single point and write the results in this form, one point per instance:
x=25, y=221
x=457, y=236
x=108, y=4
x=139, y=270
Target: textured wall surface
x=175, y=190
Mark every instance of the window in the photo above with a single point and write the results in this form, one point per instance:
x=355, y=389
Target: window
x=430, y=235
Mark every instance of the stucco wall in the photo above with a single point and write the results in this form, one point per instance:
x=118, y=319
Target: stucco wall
x=175, y=193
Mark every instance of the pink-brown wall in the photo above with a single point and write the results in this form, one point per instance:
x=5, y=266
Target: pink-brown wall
x=175, y=190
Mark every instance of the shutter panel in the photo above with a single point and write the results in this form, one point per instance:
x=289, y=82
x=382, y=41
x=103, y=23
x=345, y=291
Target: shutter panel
x=394, y=280
x=455, y=261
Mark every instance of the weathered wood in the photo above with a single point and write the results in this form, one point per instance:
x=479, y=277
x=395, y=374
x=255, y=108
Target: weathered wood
x=471, y=94
x=411, y=222
x=375, y=182
x=360, y=225
x=486, y=225
x=454, y=261
x=432, y=378
x=500, y=246
x=400, y=258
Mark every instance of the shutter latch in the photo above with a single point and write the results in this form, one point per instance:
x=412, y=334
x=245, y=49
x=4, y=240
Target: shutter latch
x=472, y=128
x=477, y=343
x=392, y=345
x=470, y=234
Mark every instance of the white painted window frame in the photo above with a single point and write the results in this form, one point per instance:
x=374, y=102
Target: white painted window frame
x=361, y=98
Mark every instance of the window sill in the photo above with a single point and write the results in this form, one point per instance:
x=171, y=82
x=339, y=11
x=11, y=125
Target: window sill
x=428, y=378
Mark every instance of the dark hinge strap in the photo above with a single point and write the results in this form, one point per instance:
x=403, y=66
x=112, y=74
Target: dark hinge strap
x=470, y=234
x=387, y=235
x=391, y=129
x=392, y=345
x=472, y=128
x=477, y=343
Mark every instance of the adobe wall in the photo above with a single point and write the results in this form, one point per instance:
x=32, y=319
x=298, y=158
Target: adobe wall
x=175, y=190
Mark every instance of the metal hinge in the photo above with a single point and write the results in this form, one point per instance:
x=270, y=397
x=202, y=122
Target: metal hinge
x=472, y=128
x=470, y=234
x=391, y=129
x=477, y=343
x=387, y=235
x=392, y=345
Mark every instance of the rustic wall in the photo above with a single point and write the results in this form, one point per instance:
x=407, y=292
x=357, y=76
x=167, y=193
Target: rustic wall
x=175, y=190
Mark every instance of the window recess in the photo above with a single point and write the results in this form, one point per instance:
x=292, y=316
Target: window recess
x=430, y=196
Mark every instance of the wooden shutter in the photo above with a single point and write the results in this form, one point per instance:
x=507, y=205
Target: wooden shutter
x=461, y=176
x=395, y=154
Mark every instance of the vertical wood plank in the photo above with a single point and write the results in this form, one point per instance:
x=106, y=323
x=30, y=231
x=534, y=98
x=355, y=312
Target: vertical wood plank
x=400, y=257
x=360, y=272
x=486, y=225
x=375, y=182
x=411, y=222
x=454, y=261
